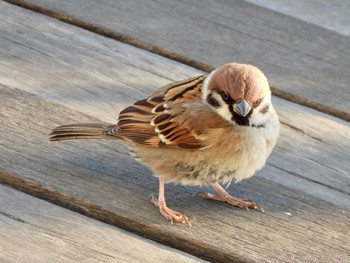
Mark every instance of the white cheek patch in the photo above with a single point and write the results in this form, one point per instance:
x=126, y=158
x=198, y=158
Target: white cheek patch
x=224, y=112
x=266, y=99
x=260, y=116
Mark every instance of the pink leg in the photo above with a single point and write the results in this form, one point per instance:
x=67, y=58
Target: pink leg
x=169, y=214
x=223, y=196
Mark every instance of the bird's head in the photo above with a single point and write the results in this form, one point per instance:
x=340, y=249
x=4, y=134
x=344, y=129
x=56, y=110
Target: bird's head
x=239, y=93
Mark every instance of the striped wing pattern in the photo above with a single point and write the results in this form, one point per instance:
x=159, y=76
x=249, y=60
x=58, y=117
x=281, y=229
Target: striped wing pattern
x=157, y=121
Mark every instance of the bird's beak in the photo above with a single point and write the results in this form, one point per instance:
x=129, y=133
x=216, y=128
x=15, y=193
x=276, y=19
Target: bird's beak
x=242, y=108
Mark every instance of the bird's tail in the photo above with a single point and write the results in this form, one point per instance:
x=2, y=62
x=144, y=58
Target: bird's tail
x=84, y=131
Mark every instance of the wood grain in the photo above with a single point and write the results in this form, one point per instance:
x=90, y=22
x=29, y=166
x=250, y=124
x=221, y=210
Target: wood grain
x=53, y=73
x=299, y=58
x=33, y=230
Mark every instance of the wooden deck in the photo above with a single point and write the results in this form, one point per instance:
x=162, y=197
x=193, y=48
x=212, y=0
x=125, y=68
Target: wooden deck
x=53, y=73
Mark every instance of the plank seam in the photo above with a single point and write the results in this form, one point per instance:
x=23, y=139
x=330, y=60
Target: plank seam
x=309, y=179
x=92, y=210
x=164, y=52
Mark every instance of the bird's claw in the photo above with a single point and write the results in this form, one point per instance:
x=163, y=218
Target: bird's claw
x=169, y=214
x=240, y=203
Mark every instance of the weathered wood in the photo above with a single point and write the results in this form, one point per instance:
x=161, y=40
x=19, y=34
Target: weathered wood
x=298, y=57
x=327, y=14
x=101, y=180
x=33, y=230
x=104, y=76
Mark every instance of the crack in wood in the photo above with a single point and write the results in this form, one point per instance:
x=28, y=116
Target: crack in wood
x=12, y=217
x=301, y=131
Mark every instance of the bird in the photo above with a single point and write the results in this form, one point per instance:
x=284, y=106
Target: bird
x=205, y=130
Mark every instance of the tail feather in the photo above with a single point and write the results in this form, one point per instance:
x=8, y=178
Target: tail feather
x=84, y=131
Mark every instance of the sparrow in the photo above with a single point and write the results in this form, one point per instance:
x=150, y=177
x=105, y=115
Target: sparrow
x=204, y=130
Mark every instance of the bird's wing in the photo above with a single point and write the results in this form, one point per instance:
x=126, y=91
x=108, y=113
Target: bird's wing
x=172, y=117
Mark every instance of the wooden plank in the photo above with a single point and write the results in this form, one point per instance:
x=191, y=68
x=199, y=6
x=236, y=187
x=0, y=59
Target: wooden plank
x=33, y=230
x=104, y=76
x=321, y=13
x=298, y=57
x=108, y=184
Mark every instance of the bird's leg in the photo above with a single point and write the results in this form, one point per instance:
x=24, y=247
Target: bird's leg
x=169, y=214
x=223, y=196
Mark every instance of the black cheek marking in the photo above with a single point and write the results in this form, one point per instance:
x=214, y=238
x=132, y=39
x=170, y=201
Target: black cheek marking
x=212, y=101
x=265, y=109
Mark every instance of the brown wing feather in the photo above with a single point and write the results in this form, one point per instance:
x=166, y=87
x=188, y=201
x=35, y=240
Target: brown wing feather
x=163, y=120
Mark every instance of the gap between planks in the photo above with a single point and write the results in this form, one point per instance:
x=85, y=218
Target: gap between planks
x=200, y=249
x=171, y=55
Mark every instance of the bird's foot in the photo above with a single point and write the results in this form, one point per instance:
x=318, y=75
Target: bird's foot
x=169, y=214
x=226, y=198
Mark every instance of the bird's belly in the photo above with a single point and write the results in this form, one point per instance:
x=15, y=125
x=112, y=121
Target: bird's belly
x=233, y=165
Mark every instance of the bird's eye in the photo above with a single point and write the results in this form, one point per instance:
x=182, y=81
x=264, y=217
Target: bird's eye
x=225, y=96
